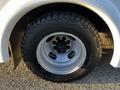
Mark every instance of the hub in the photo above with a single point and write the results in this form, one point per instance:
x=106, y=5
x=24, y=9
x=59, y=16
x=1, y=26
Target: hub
x=61, y=45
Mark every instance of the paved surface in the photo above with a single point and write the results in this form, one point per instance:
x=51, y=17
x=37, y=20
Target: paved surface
x=103, y=77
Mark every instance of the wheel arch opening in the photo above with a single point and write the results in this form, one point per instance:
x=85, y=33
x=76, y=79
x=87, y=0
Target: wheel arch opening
x=20, y=27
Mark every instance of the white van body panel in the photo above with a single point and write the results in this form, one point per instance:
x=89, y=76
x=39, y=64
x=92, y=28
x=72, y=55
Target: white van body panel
x=11, y=11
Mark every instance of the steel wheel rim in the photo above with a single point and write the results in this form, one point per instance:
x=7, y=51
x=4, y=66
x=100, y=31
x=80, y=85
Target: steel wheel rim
x=62, y=65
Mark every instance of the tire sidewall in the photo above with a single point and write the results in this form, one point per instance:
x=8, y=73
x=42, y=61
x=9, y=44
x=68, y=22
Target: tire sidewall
x=40, y=31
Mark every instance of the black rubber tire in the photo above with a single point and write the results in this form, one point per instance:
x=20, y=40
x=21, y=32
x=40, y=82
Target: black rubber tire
x=58, y=22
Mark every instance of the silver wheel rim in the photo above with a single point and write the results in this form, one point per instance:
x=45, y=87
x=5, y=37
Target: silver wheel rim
x=55, y=58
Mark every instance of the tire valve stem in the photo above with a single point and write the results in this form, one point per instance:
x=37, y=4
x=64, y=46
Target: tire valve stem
x=71, y=54
x=52, y=55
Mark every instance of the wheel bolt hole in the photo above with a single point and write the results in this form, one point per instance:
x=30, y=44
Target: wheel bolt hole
x=52, y=55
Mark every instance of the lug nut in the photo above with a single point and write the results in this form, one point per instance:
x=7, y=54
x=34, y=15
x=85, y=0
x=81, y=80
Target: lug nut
x=54, y=47
x=67, y=42
x=63, y=38
x=54, y=42
x=58, y=38
x=68, y=47
x=48, y=40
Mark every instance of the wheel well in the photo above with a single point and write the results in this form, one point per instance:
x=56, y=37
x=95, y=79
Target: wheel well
x=20, y=27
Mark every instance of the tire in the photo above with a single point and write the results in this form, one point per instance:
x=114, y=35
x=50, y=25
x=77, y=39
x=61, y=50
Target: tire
x=59, y=23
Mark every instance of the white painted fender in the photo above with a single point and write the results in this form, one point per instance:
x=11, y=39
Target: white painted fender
x=11, y=13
